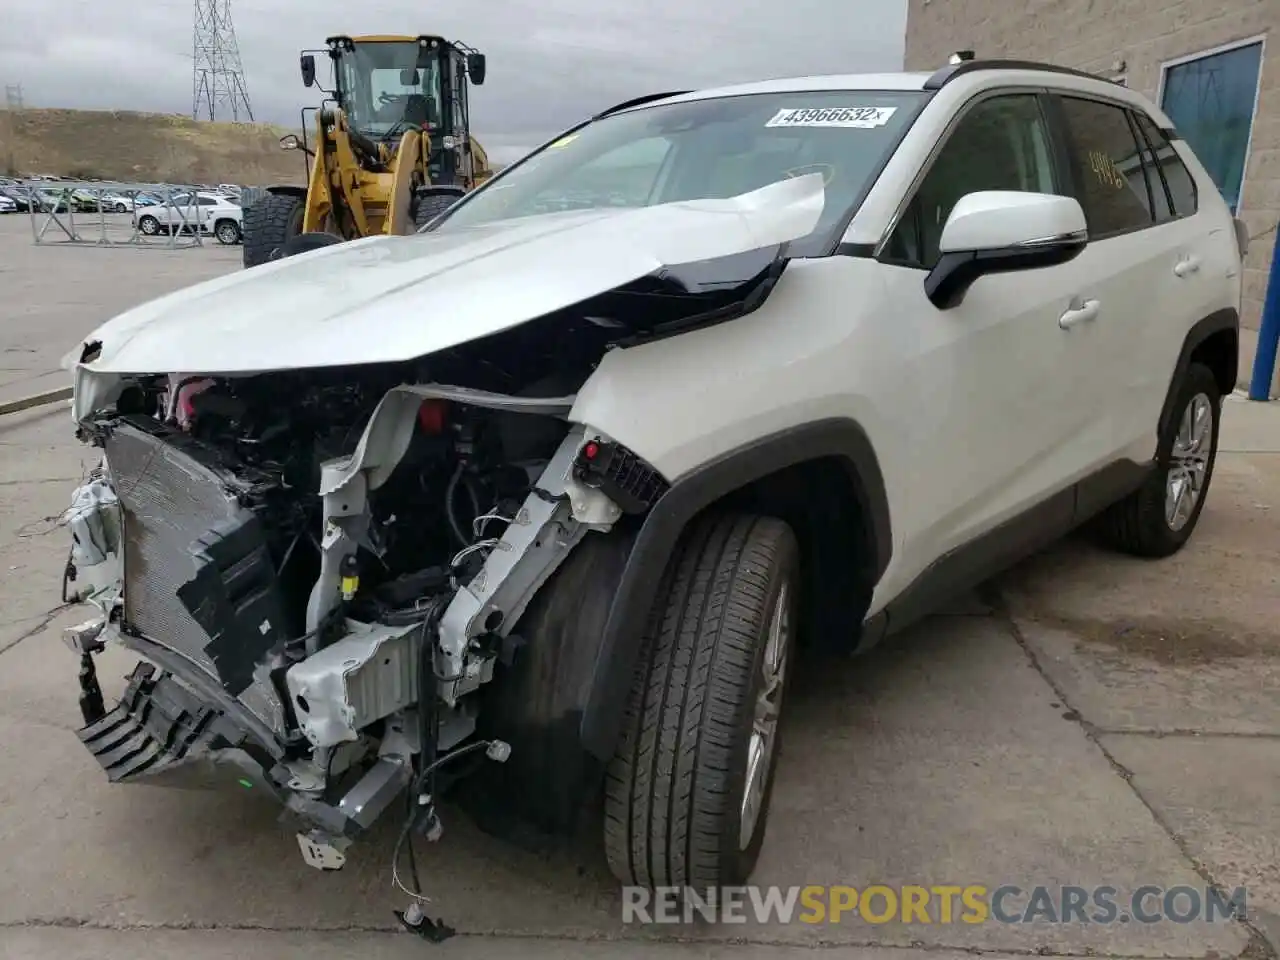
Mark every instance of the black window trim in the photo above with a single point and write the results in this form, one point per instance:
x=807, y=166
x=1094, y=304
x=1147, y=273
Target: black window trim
x=1057, y=96
x=1134, y=116
x=879, y=251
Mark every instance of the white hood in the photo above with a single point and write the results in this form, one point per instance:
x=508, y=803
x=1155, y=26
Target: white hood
x=386, y=299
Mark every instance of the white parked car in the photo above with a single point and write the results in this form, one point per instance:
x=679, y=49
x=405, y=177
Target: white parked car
x=210, y=213
x=783, y=364
x=7, y=205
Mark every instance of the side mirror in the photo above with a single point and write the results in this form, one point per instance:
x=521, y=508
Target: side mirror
x=475, y=68
x=308, y=64
x=995, y=231
x=289, y=142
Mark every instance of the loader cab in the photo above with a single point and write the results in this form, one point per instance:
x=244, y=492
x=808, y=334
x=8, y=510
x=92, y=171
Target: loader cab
x=389, y=85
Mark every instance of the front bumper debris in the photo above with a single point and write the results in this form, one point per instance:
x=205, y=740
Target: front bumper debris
x=163, y=732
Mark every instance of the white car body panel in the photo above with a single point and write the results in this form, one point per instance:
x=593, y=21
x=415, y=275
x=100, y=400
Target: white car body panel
x=384, y=299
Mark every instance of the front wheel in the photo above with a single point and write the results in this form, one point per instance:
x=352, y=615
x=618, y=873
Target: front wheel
x=121, y=208
x=687, y=794
x=270, y=222
x=227, y=232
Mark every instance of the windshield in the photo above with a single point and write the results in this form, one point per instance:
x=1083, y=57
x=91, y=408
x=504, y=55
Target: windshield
x=705, y=149
x=386, y=89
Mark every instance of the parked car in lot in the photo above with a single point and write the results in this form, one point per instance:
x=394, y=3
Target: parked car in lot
x=7, y=205
x=117, y=202
x=569, y=489
x=209, y=213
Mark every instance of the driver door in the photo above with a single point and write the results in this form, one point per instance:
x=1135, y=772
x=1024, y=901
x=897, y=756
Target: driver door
x=989, y=418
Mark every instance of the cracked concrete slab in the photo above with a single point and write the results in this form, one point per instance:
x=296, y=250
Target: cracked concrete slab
x=942, y=759
x=1221, y=797
x=1191, y=642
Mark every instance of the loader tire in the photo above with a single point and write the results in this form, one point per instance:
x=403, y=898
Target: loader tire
x=711, y=676
x=431, y=205
x=273, y=219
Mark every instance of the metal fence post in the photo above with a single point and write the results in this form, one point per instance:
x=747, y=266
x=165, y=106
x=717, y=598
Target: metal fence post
x=1264, y=360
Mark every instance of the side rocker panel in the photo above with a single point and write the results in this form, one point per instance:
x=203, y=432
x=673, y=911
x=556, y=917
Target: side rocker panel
x=667, y=520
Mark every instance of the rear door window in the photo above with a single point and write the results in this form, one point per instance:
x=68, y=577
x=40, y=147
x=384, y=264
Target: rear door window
x=1111, y=182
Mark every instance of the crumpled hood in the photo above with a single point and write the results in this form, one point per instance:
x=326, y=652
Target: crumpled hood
x=388, y=299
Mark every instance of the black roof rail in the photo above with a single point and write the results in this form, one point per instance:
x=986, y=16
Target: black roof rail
x=941, y=78
x=638, y=101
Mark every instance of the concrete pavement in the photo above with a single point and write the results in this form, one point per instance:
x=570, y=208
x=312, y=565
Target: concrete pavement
x=1091, y=720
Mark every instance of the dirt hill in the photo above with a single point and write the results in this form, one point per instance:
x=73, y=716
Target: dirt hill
x=121, y=145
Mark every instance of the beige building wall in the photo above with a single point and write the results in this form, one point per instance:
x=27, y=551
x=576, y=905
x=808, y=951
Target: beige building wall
x=1133, y=39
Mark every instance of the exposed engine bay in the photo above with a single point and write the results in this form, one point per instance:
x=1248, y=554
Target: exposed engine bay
x=321, y=568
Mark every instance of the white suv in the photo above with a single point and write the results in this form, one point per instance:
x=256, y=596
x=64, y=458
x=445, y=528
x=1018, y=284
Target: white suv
x=566, y=479
x=199, y=210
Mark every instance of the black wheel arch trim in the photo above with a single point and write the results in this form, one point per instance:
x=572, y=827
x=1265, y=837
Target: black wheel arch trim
x=838, y=438
x=1214, y=323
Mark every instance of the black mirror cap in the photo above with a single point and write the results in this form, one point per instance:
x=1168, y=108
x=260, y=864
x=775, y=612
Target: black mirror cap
x=308, y=65
x=475, y=68
x=954, y=273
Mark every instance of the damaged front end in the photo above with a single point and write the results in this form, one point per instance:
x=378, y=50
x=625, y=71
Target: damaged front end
x=323, y=563
x=320, y=571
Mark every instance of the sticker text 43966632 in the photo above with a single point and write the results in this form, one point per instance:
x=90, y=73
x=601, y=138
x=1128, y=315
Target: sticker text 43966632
x=856, y=117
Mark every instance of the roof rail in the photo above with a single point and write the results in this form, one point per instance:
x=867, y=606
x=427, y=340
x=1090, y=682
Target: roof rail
x=638, y=101
x=941, y=78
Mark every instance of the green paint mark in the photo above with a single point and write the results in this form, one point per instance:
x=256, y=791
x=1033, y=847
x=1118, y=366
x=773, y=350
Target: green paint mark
x=247, y=784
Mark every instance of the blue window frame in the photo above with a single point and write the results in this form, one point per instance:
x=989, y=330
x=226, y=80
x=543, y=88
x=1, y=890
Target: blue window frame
x=1211, y=100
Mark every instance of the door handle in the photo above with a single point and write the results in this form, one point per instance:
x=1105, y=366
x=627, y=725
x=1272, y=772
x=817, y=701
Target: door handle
x=1186, y=267
x=1084, y=312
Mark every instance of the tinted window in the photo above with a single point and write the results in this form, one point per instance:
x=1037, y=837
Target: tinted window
x=1110, y=181
x=208, y=202
x=1162, y=156
x=1001, y=144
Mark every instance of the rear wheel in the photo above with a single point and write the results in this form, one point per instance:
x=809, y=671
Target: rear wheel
x=149, y=225
x=268, y=223
x=1159, y=517
x=687, y=794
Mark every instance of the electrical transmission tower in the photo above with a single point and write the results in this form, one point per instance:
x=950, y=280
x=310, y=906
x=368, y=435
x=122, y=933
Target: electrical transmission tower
x=218, y=90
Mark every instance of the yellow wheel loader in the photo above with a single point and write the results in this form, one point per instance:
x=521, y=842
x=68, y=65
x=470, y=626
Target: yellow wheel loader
x=392, y=146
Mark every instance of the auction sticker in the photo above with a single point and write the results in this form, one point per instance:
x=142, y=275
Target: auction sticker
x=856, y=117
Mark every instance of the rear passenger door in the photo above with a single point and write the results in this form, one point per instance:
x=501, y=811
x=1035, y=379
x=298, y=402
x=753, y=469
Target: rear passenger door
x=1141, y=262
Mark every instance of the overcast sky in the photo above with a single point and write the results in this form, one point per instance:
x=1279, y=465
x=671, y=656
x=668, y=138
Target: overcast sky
x=550, y=62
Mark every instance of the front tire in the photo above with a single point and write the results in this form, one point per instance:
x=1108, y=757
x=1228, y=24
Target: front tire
x=227, y=232
x=428, y=206
x=1158, y=518
x=269, y=223
x=687, y=794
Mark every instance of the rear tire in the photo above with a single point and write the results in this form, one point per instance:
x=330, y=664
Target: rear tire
x=1158, y=518
x=676, y=807
x=268, y=223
